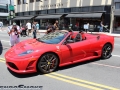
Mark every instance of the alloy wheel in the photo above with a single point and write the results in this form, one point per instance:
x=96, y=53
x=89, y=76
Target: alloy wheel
x=48, y=63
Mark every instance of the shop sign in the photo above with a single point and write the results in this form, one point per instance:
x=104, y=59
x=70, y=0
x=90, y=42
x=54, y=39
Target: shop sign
x=11, y=7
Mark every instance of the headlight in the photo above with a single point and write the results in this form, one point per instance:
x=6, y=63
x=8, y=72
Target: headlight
x=26, y=52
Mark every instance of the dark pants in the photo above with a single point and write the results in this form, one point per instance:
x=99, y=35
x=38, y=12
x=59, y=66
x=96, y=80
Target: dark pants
x=34, y=34
x=23, y=33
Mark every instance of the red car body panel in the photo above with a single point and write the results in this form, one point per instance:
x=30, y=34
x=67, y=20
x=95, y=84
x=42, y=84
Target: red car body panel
x=67, y=54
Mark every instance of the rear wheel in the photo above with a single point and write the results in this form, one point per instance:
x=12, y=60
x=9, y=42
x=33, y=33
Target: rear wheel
x=106, y=51
x=47, y=63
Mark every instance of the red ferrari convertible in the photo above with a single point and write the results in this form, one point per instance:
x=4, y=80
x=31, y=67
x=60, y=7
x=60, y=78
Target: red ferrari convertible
x=58, y=48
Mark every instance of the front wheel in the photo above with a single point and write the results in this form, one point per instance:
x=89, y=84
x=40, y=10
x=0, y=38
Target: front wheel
x=106, y=51
x=47, y=63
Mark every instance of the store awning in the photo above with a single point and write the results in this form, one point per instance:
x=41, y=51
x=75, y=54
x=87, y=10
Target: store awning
x=4, y=14
x=48, y=17
x=23, y=18
x=117, y=12
x=88, y=15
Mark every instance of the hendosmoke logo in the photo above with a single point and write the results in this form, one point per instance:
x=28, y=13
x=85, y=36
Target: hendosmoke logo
x=21, y=87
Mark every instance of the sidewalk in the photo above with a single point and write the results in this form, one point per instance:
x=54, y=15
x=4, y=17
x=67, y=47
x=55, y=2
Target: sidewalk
x=4, y=28
x=111, y=34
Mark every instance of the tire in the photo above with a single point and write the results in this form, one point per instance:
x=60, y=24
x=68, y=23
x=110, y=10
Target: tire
x=106, y=51
x=47, y=63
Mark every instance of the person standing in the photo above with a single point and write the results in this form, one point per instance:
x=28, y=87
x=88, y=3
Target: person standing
x=56, y=26
x=38, y=26
x=1, y=25
x=28, y=25
x=23, y=30
x=87, y=27
x=34, y=27
x=101, y=27
x=14, y=31
x=49, y=28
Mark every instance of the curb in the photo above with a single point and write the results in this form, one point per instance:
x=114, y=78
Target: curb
x=117, y=36
x=114, y=35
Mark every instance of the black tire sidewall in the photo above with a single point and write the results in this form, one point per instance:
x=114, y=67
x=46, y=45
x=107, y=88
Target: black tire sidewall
x=102, y=56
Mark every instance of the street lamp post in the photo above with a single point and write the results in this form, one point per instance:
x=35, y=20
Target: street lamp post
x=112, y=17
x=10, y=13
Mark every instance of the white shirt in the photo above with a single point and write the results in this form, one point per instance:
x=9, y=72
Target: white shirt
x=12, y=35
x=1, y=24
x=28, y=25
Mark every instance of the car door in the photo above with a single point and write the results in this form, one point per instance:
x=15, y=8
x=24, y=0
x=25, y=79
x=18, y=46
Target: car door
x=74, y=51
x=80, y=50
x=96, y=45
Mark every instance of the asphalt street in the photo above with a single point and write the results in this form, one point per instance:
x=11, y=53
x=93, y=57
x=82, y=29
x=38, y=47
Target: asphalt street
x=96, y=74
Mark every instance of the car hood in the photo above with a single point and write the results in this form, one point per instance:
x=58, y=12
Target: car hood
x=31, y=44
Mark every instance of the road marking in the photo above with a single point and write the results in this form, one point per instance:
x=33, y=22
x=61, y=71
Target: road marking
x=94, y=86
x=116, y=55
x=2, y=61
x=72, y=82
x=5, y=41
x=106, y=65
x=4, y=47
x=117, y=44
x=84, y=81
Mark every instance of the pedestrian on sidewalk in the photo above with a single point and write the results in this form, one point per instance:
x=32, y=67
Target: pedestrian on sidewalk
x=23, y=31
x=37, y=25
x=56, y=25
x=28, y=25
x=101, y=27
x=1, y=25
x=14, y=31
x=87, y=27
x=50, y=28
x=34, y=29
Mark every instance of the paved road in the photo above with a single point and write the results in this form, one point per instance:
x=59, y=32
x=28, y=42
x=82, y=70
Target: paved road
x=94, y=75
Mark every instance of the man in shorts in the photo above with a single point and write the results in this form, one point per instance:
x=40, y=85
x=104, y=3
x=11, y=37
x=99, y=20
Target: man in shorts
x=28, y=25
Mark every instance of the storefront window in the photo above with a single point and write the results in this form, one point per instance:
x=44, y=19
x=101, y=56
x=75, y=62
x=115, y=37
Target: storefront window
x=32, y=13
x=31, y=1
x=20, y=14
x=18, y=2
x=98, y=8
x=24, y=1
x=38, y=12
x=67, y=10
x=3, y=9
x=51, y=11
x=117, y=5
x=44, y=12
x=44, y=22
x=85, y=9
x=117, y=24
x=75, y=9
x=38, y=0
x=26, y=13
x=59, y=10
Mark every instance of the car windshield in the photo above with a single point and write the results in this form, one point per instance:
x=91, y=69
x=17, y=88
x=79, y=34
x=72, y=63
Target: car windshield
x=53, y=38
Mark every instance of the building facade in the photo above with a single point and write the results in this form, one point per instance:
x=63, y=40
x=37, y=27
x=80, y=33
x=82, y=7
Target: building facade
x=116, y=12
x=4, y=13
x=75, y=12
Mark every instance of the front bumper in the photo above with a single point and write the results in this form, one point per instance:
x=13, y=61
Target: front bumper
x=22, y=65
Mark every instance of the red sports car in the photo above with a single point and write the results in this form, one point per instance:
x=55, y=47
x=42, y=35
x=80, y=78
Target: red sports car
x=58, y=48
